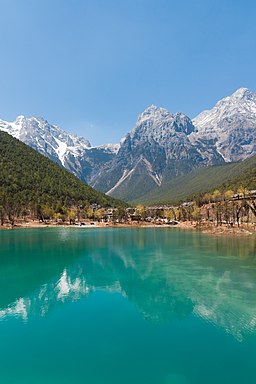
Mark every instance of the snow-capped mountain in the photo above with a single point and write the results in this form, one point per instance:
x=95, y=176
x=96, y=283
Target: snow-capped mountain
x=160, y=147
x=50, y=140
x=230, y=124
x=157, y=149
x=109, y=148
x=69, y=150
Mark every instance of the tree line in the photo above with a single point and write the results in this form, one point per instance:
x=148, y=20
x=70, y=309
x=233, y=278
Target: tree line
x=219, y=207
x=32, y=185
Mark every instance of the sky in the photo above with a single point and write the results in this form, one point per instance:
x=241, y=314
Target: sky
x=92, y=66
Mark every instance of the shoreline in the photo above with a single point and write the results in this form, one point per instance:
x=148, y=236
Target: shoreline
x=210, y=229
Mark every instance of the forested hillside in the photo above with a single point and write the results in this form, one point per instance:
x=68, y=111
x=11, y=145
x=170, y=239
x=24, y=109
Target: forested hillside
x=30, y=182
x=223, y=177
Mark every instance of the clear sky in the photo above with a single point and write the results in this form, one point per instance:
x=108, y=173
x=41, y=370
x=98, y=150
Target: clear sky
x=92, y=66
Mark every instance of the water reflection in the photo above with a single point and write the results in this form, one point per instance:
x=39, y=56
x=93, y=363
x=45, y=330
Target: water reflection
x=167, y=274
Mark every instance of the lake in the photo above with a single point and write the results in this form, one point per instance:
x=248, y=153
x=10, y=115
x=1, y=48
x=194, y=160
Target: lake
x=126, y=306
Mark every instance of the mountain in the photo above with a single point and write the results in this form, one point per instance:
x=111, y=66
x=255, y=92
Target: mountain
x=155, y=151
x=161, y=146
x=69, y=150
x=230, y=124
x=47, y=139
x=203, y=180
x=29, y=181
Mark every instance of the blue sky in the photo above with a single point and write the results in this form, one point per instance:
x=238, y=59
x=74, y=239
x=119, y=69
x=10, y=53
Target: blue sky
x=92, y=66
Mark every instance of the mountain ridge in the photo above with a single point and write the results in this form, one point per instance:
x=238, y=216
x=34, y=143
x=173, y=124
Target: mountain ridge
x=30, y=181
x=231, y=123
x=161, y=145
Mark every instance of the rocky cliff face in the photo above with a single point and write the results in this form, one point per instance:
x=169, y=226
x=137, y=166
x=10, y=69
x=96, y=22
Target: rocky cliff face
x=156, y=150
x=69, y=150
x=47, y=139
x=160, y=147
x=230, y=126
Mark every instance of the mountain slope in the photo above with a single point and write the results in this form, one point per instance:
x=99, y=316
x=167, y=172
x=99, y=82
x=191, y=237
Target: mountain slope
x=47, y=139
x=232, y=175
x=161, y=146
x=155, y=151
x=72, y=152
x=231, y=125
x=28, y=179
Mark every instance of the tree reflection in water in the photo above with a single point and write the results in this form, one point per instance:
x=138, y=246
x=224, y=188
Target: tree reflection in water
x=168, y=274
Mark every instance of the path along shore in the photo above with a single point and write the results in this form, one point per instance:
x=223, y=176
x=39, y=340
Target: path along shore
x=224, y=229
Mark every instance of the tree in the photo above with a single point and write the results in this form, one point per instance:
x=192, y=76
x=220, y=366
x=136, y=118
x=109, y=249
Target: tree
x=47, y=212
x=228, y=194
x=141, y=211
x=243, y=191
x=216, y=195
x=99, y=213
x=72, y=214
x=2, y=214
x=122, y=214
x=57, y=216
x=90, y=213
x=196, y=214
x=168, y=214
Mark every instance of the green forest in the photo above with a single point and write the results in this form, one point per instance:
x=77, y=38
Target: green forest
x=31, y=184
x=204, y=180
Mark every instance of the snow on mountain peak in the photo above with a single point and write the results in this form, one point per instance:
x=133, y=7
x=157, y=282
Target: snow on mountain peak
x=242, y=98
x=50, y=140
x=108, y=148
x=231, y=123
x=159, y=124
x=241, y=92
x=150, y=118
x=241, y=102
x=20, y=118
x=153, y=112
x=160, y=143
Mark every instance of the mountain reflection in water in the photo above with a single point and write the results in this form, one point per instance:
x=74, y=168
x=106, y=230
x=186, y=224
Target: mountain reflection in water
x=168, y=274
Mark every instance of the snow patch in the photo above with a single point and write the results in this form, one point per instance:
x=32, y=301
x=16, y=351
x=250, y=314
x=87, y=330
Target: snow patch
x=110, y=148
x=61, y=150
x=157, y=179
x=125, y=175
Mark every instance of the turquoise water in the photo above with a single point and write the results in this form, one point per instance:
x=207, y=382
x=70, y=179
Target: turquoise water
x=126, y=306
